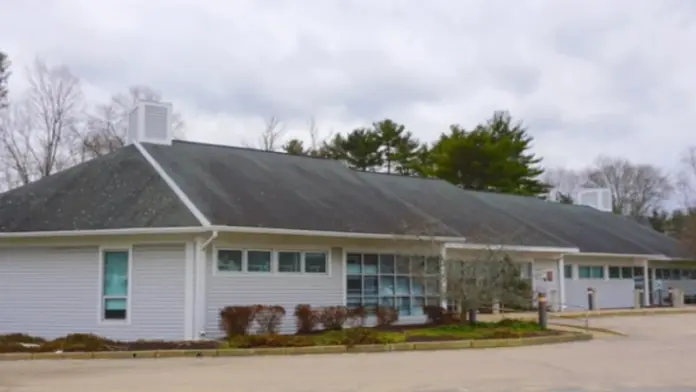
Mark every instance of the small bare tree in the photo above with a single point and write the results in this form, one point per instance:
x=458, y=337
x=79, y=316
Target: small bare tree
x=107, y=124
x=272, y=135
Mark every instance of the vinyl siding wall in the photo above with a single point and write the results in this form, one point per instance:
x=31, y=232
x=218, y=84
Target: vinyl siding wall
x=610, y=293
x=51, y=292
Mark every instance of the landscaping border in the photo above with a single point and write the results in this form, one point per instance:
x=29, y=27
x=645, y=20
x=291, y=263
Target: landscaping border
x=244, y=352
x=621, y=313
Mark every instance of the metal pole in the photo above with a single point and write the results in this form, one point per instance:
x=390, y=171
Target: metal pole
x=543, y=312
x=590, y=298
x=670, y=296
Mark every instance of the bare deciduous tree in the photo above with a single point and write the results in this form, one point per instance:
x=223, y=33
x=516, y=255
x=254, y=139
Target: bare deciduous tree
x=37, y=133
x=272, y=135
x=636, y=188
x=686, y=183
x=107, y=125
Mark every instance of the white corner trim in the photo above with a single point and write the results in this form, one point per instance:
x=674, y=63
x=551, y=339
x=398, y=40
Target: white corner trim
x=173, y=186
x=190, y=291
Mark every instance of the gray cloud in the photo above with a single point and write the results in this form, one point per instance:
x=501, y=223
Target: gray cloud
x=587, y=76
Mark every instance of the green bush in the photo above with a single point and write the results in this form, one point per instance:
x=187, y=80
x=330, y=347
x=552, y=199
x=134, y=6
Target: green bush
x=79, y=342
x=21, y=338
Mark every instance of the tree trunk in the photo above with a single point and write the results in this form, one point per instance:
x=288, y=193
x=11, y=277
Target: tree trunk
x=472, y=316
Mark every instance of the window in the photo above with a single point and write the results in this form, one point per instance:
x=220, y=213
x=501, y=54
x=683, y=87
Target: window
x=115, y=270
x=289, y=262
x=627, y=272
x=591, y=272
x=259, y=261
x=568, y=271
x=229, y=260
x=614, y=273
x=406, y=283
x=316, y=263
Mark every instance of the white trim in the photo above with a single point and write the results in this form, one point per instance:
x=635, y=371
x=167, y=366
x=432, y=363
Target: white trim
x=189, y=291
x=561, y=283
x=106, y=232
x=344, y=277
x=510, y=248
x=129, y=299
x=646, y=282
x=173, y=186
x=200, y=266
x=443, y=277
x=622, y=255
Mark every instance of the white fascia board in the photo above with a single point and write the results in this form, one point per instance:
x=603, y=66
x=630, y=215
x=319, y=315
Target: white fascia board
x=624, y=255
x=511, y=248
x=105, y=232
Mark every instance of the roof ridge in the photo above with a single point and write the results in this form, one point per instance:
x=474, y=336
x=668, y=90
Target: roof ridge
x=172, y=185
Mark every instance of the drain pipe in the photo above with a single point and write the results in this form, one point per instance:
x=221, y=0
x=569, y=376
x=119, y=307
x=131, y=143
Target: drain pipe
x=200, y=271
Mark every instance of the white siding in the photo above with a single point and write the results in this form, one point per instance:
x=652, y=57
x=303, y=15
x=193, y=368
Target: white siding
x=273, y=289
x=609, y=293
x=550, y=288
x=51, y=292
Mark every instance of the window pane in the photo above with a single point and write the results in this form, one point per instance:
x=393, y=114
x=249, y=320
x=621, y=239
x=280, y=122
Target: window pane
x=370, y=304
x=354, y=285
x=316, y=262
x=417, y=306
x=354, y=302
x=432, y=265
x=417, y=265
x=387, y=301
x=432, y=301
x=638, y=271
x=259, y=261
x=627, y=272
x=370, y=285
x=597, y=272
x=402, y=265
x=289, y=262
x=229, y=260
x=658, y=273
x=614, y=273
x=370, y=263
x=354, y=263
x=115, y=273
x=432, y=286
x=417, y=286
x=568, y=271
x=404, y=306
x=583, y=272
x=403, y=285
x=386, y=264
x=115, y=308
x=675, y=274
x=386, y=285
x=685, y=274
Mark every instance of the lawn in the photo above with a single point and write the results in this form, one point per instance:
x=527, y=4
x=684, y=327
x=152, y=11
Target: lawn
x=505, y=329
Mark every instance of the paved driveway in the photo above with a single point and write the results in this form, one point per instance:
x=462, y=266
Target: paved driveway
x=655, y=358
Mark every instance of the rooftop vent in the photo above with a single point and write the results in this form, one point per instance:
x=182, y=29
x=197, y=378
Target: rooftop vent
x=150, y=122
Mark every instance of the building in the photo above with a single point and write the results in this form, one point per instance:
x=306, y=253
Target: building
x=152, y=240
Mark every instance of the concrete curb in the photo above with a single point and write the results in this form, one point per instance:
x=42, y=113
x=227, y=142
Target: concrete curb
x=609, y=313
x=582, y=328
x=240, y=352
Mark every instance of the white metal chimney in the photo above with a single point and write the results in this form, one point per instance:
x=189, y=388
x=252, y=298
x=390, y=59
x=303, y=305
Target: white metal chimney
x=150, y=122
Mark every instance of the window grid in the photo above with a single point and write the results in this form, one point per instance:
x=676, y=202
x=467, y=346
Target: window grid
x=405, y=282
x=116, y=267
x=231, y=260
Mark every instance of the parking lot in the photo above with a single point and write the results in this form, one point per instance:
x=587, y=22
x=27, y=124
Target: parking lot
x=654, y=358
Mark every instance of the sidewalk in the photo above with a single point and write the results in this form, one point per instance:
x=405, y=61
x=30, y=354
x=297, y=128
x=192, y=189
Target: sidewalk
x=593, y=313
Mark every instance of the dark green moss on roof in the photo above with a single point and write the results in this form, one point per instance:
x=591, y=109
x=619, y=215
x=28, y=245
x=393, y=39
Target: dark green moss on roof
x=250, y=188
x=117, y=191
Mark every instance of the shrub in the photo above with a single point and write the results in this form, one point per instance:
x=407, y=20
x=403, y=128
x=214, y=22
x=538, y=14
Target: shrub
x=79, y=342
x=435, y=314
x=333, y=317
x=307, y=319
x=236, y=320
x=21, y=338
x=386, y=316
x=356, y=316
x=269, y=318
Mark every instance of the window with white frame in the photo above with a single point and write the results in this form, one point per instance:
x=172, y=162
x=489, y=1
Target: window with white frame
x=406, y=283
x=115, y=272
x=261, y=261
x=568, y=271
x=591, y=271
x=621, y=272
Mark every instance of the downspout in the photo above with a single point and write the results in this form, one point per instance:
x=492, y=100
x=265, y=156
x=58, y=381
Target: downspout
x=200, y=280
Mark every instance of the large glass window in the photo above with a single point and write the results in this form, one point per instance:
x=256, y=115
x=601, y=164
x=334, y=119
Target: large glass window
x=591, y=272
x=406, y=283
x=115, y=284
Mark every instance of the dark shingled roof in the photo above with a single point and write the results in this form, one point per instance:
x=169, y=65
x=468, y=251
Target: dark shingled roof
x=243, y=187
x=120, y=190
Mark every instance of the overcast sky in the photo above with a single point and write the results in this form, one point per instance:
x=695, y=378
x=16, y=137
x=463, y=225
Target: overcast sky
x=588, y=77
